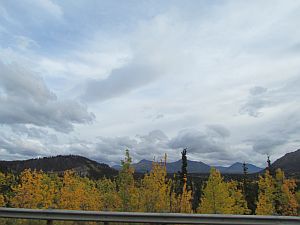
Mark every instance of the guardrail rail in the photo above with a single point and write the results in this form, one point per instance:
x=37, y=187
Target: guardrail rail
x=133, y=217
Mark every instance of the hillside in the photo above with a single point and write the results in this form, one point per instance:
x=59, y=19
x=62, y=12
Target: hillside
x=193, y=167
x=81, y=165
x=289, y=163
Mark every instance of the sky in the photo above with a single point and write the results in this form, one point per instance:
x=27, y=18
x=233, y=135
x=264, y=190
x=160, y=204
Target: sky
x=94, y=78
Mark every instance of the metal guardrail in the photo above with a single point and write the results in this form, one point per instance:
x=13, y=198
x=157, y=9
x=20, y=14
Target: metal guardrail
x=158, y=218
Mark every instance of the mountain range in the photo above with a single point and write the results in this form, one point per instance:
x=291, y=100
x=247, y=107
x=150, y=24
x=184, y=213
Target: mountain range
x=193, y=167
x=289, y=163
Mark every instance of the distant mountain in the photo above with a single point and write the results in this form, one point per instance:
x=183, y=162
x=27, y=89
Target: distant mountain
x=289, y=163
x=79, y=164
x=237, y=168
x=193, y=167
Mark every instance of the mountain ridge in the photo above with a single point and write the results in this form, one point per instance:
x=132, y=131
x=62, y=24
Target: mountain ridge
x=289, y=163
x=193, y=167
x=58, y=164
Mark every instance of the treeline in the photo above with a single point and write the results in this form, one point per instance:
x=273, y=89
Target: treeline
x=155, y=192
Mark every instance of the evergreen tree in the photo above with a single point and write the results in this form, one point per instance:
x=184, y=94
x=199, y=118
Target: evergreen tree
x=183, y=167
x=245, y=177
x=181, y=179
x=247, y=188
x=269, y=167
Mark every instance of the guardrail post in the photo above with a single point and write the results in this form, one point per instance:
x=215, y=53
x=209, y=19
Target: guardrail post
x=49, y=222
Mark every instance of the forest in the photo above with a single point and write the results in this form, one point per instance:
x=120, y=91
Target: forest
x=271, y=194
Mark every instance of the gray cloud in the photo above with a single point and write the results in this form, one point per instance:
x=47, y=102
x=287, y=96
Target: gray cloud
x=142, y=146
x=257, y=90
x=257, y=100
x=203, y=145
x=15, y=146
x=119, y=82
x=25, y=99
x=198, y=141
x=277, y=135
x=267, y=145
x=34, y=132
x=219, y=130
x=260, y=97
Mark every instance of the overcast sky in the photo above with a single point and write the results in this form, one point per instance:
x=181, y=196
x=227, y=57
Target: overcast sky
x=94, y=78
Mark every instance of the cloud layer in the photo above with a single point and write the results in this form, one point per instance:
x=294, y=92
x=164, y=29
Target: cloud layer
x=94, y=78
x=25, y=99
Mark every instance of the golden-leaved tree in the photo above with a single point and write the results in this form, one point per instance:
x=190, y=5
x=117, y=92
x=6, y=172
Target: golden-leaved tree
x=285, y=199
x=79, y=193
x=34, y=190
x=127, y=190
x=216, y=196
x=155, y=190
x=109, y=196
x=298, y=200
x=266, y=196
x=2, y=183
x=240, y=204
x=2, y=201
x=185, y=199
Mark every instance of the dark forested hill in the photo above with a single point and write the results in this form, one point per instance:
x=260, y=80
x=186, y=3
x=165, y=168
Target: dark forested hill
x=81, y=165
x=289, y=163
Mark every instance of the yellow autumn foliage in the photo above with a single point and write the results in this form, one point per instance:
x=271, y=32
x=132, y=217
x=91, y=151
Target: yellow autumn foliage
x=285, y=199
x=185, y=200
x=266, y=190
x=35, y=190
x=108, y=194
x=79, y=193
x=2, y=182
x=155, y=190
x=2, y=202
x=127, y=189
x=240, y=204
x=216, y=197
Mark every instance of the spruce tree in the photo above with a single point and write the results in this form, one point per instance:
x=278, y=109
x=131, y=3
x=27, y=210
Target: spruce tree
x=270, y=168
x=183, y=177
x=245, y=175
